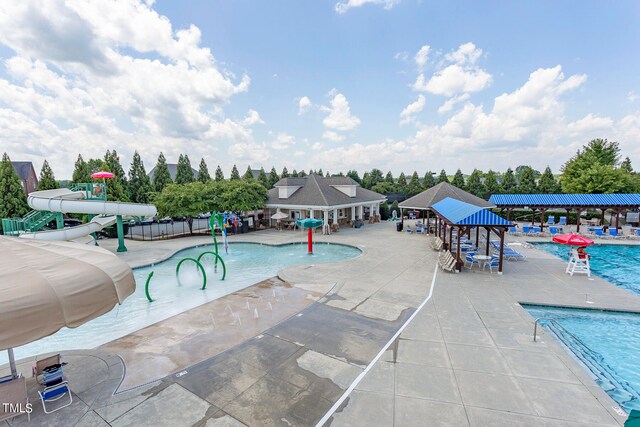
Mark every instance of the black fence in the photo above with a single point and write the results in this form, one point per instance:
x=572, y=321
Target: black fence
x=167, y=230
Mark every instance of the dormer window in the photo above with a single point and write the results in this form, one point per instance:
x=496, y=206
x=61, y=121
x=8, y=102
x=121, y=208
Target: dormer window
x=349, y=190
x=284, y=192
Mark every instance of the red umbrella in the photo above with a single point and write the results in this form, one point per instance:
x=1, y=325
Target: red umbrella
x=573, y=240
x=102, y=174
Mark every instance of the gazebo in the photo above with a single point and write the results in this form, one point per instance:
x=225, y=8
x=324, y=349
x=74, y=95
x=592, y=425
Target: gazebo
x=425, y=200
x=453, y=214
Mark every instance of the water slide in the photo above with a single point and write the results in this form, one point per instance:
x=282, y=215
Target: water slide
x=67, y=201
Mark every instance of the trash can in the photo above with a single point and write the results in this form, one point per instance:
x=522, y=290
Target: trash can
x=245, y=226
x=399, y=226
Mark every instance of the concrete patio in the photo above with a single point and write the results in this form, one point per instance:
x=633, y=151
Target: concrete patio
x=467, y=358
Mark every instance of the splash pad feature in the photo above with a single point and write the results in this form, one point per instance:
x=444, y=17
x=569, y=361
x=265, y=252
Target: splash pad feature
x=309, y=224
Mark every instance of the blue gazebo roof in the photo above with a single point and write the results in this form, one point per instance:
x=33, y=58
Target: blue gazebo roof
x=461, y=213
x=566, y=200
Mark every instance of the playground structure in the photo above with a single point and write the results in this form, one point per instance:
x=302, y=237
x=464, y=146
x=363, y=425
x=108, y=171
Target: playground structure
x=83, y=198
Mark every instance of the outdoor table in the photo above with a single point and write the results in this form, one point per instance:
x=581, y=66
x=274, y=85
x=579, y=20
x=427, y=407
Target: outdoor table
x=482, y=259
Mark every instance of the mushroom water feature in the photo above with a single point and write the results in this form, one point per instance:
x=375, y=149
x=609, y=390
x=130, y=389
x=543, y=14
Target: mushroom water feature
x=309, y=224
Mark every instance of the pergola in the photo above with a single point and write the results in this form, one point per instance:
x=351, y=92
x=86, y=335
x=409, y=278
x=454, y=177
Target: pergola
x=570, y=202
x=464, y=217
x=425, y=200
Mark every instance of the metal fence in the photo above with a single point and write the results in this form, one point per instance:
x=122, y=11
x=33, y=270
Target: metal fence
x=166, y=230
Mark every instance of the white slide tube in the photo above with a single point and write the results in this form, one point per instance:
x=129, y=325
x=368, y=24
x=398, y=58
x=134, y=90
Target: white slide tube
x=67, y=201
x=72, y=233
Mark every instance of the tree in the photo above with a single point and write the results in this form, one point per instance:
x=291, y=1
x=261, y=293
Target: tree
x=522, y=168
x=458, y=180
x=475, y=185
x=366, y=180
x=262, y=178
x=491, y=184
x=402, y=183
x=80, y=171
x=184, y=172
x=248, y=174
x=236, y=196
x=115, y=191
x=327, y=174
x=384, y=211
x=139, y=182
x=285, y=173
x=394, y=207
x=527, y=181
x=383, y=187
x=294, y=173
x=548, y=183
x=203, y=172
x=354, y=176
x=273, y=177
x=47, y=181
x=389, y=178
x=414, y=185
x=161, y=175
x=596, y=169
x=13, y=202
x=428, y=181
x=112, y=160
x=94, y=165
x=442, y=177
x=375, y=176
x=302, y=173
x=320, y=173
x=186, y=200
x=509, y=185
x=219, y=174
x=626, y=165
x=235, y=175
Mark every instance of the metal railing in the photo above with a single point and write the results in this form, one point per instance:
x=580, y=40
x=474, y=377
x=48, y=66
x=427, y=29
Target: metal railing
x=559, y=326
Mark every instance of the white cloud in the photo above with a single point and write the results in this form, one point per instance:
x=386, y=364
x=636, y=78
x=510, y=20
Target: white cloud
x=458, y=74
x=631, y=96
x=343, y=6
x=588, y=124
x=340, y=117
x=422, y=56
x=452, y=102
x=304, y=105
x=249, y=152
x=317, y=146
x=105, y=72
x=410, y=110
x=401, y=56
x=282, y=141
x=333, y=136
x=252, y=118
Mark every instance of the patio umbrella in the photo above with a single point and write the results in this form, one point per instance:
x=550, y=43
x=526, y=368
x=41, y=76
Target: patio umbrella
x=279, y=215
x=309, y=224
x=572, y=239
x=46, y=285
x=103, y=175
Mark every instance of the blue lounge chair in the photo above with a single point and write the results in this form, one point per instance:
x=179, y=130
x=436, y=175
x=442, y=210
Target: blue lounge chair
x=53, y=394
x=598, y=232
x=494, y=263
x=553, y=230
x=469, y=261
x=551, y=220
x=613, y=232
x=562, y=220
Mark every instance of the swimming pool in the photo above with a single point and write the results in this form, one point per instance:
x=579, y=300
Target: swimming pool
x=611, y=350
x=247, y=264
x=618, y=264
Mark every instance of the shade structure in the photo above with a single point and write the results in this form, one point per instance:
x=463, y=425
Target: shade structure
x=279, y=215
x=46, y=285
x=572, y=239
x=103, y=175
x=309, y=223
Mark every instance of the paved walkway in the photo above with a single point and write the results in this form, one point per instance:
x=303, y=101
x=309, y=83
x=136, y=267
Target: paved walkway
x=466, y=359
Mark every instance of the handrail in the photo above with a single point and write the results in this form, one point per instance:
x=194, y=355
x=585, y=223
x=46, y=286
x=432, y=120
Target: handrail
x=555, y=322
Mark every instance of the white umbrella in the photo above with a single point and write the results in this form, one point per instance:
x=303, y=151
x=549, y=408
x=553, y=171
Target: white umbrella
x=279, y=215
x=46, y=285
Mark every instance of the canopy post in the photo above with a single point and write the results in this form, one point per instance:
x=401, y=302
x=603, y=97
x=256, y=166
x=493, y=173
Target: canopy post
x=501, y=250
x=428, y=223
x=578, y=220
x=486, y=252
x=542, y=211
x=477, y=235
x=458, y=250
x=120, y=228
x=12, y=363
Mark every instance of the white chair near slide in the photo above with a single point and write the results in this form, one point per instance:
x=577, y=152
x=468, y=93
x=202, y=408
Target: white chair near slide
x=578, y=265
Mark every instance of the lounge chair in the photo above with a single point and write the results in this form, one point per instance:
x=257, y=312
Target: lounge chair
x=551, y=220
x=14, y=393
x=613, y=232
x=562, y=220
x=469, y=261
x=598, y=232
x=514, y=231
x=494, y=263
x=447, y=261
x=511, y=254
x=53, y=394
x=43, y=363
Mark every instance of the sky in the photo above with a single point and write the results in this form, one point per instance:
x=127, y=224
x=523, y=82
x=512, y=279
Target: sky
x=399, y=85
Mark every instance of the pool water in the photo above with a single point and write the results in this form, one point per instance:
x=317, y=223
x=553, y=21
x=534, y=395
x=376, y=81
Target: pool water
x=611, y=350
x=247, y=264
x=618, y=264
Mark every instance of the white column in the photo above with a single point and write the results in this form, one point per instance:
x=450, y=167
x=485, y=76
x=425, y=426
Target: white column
x=361, y=212
x=353, y=213
x=372, y=211
x=311, y=213
x=335, y=216
x=326, y=221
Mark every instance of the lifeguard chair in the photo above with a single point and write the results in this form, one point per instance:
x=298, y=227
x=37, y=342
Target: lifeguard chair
x=578, y=264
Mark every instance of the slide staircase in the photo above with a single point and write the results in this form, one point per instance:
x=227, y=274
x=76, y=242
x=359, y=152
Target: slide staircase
x=31, y=222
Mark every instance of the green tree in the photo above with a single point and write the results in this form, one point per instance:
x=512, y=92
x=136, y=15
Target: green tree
x=384, y=211
x=475, y=185
x=184, y=172
x=273, y=177
x=236, y=195
x=402, y=183
x=47, y=181
x=139, y=182
x=294, y=173
x=353, y=174
x=161, y=175
x=389, y=178
x=112, y=160
x=626, y=165
x=320, y=173
x=13, y=201
x=302, y=173
x=235, y=175
x=414, y=185
x=203, y=172
x=115, y=191
x=383, y=187
x=394, y=207
x=548, y=183
x=262, y=178
x=509, y=185
x=458, y=180
x=219, y=174
x=527, y=181
x=285, y=173
x=366, y=180
x=428, y=180
x=375, y=176
x=248, y=174
x=442, y=177
x=80, y=171
x=595, y=169
x=186, y=200
x=491, y=184
x=94, y=165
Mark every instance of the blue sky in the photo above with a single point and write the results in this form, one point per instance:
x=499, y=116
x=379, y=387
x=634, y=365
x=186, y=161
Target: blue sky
x=400, y=85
